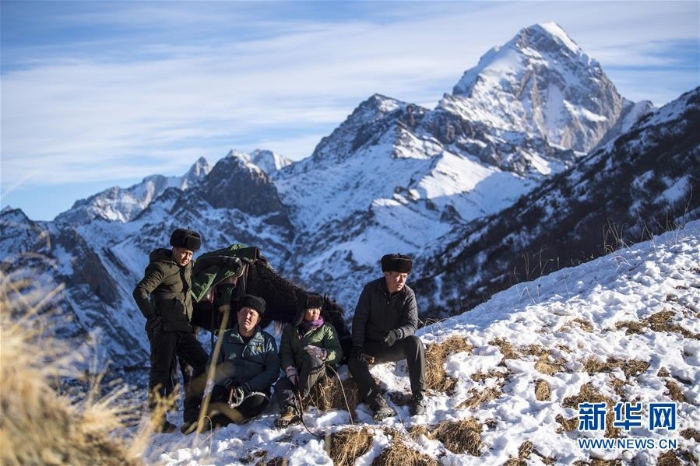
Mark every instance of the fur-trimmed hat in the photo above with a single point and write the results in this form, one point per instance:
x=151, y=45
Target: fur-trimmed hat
x=397, y=263
x=188, y=239
x=253, y=302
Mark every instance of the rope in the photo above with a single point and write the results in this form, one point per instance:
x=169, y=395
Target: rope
x=300, y=408
x=342, y=390
x=299, y=402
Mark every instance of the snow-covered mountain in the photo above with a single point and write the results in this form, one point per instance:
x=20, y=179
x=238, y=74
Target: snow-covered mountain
x=540, y=83
x=642, y=183
x=122, y=205
x=393, y=177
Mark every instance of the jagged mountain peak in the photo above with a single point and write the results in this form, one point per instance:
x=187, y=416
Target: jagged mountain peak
x=265, y=160
x=366, y=126
x=376, y=106
x=540, y=82
x=539, y=41
x=237, y=183
x=270, y=162
x=197, y=171
x=118, y=204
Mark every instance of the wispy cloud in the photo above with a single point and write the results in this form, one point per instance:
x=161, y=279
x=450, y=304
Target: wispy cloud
x=142, y=86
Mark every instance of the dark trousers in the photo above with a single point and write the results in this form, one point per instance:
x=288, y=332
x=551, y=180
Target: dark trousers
x=410, y=348
x=252, y=406
x=165, y=347
x=311, y=371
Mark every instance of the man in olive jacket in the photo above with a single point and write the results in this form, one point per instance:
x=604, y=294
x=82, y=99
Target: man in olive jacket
x=383, y=328
x=163, y=297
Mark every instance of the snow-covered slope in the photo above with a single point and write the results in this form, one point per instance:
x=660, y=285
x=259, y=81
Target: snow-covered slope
x=622, y=328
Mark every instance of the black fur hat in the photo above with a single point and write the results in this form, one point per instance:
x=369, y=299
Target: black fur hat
x=254, y=302
x=313, y=301
x=188, y=239
x=397, y=263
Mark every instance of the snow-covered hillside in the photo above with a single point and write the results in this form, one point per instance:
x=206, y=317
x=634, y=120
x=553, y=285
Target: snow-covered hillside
x=622, y=328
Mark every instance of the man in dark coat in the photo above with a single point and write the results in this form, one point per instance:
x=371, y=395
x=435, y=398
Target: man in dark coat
x=246, y=367
x=164, y=298
x=383, y=328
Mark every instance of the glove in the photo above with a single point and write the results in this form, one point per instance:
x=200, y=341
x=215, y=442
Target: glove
x=229, y=384
x=320, y=353
x=356, y=352
x=237, y=393
x=391, y=337
x=154, y=325
x=292, y=375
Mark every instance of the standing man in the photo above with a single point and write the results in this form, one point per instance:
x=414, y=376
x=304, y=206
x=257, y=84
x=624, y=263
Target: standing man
x=163, y=297
x=383, y=328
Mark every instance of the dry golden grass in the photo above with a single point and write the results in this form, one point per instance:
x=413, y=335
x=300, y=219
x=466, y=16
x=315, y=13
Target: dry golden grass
x=542, y=391
x=39, y=426
x=459, y=436
x=506, y=348
x=588, y=394
x=348, y=444
x=546, y=363
x=493, y=374
x=398, y=454
x=676, y=458
x=630, y=367
x=585, y=325
x=598, y=462
x=477, y=397
x=659, y=322
x=675, y=392
x=435, y=376
x=691, y=434
x=524, y=452
x=330, y=393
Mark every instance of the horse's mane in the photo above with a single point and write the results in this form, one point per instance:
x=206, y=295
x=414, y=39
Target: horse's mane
x=284, y=297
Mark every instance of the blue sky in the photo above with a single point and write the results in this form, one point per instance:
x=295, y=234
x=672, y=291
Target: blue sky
x=103, y=93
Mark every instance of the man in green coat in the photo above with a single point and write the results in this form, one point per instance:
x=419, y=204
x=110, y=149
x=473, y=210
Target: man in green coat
x=307, y=347
x=165, y=300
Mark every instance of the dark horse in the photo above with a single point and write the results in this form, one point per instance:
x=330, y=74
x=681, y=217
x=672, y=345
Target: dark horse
x=283, y=299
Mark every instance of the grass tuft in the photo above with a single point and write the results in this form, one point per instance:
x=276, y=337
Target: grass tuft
x=347, y=445
x=37, y=424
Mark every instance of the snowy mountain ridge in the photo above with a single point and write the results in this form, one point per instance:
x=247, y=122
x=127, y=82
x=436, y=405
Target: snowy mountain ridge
x=122, y=205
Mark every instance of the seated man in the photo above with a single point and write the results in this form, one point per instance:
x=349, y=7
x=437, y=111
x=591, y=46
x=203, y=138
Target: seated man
x=307, y=347
x=247, y=366
x=383, y=327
